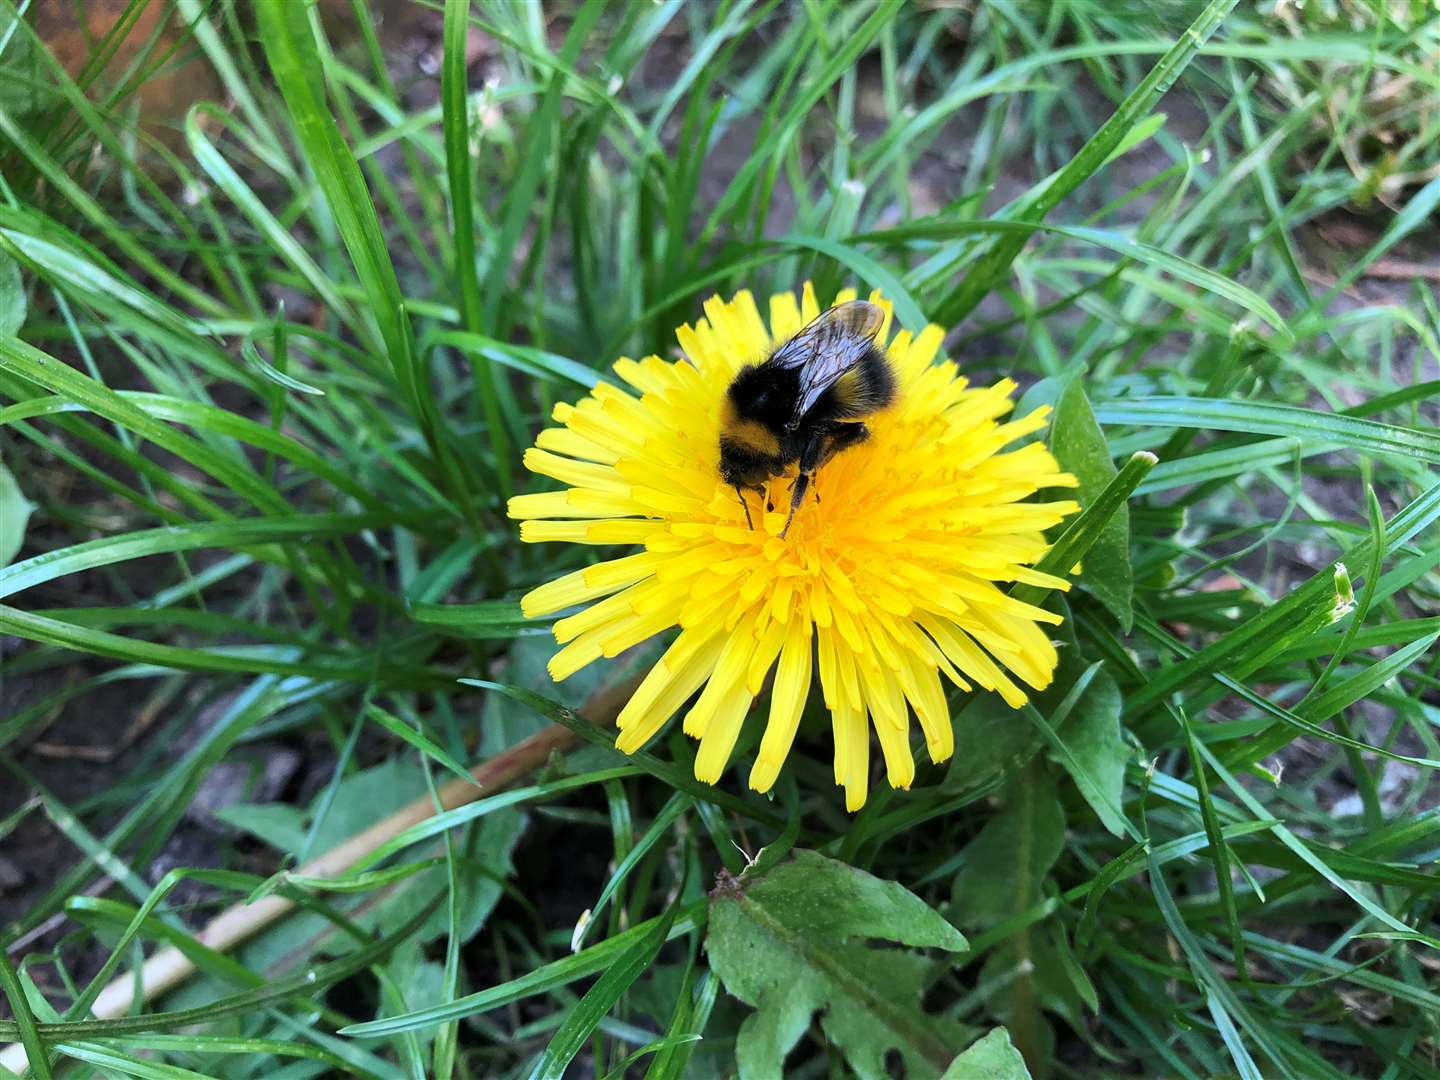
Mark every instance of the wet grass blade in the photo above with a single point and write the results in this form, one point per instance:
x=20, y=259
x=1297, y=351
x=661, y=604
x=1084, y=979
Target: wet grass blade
x=1269, y=418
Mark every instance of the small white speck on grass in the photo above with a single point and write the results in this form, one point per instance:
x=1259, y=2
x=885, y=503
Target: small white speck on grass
x=1344, y=594
x=577, y=936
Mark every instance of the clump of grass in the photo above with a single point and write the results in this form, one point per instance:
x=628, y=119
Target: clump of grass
x=265, y=378
x=1380, y=111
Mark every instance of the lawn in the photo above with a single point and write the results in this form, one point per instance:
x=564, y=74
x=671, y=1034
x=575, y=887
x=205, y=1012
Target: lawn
x=391, y=687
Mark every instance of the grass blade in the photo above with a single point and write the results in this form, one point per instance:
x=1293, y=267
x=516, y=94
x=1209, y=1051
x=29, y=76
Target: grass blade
x=995, y=263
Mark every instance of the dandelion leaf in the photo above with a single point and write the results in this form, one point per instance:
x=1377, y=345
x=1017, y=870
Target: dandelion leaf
x=992, y=1058
x=1079, y=445
x=1009, y=858
x=798, y=940
x=1095, y=753
x=988, y=742
x=15, y=512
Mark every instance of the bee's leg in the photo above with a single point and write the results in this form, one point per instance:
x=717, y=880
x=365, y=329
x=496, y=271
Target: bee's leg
x=744, y=506
x=797, y=496
x=809, y=461
x=824, y=445
x=841, y=436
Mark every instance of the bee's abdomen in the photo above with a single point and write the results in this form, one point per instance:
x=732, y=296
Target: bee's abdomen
x=866, y=388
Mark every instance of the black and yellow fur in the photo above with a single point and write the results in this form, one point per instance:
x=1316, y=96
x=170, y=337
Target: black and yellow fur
x=760, y=436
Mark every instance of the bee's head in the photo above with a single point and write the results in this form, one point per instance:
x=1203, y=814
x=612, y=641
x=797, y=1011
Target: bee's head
x=744, y=460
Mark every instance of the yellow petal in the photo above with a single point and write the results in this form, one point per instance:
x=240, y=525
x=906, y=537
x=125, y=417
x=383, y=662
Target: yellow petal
x=723, y=729
x=725, y=683
x=587, y=584
x=809, y=306
x=787, y=704
x=852, y=754
x=785, y=318
x=676, y=675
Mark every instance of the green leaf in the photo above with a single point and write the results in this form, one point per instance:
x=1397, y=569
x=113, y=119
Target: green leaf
x=988, y=742
x=35, y=366
x=456, y=125
x=1079, y=445
x=311, y=981
x=788, y=943
x=992, y=1058
x=21, y=92
x=15, y=512
x=1277, y=627
x=907, y=312
x=289, y=43
x=1006, y=862
x=1142, y=131
x=1003, y=873
x=523, y=358
x=12, y=297
x=1085, y=529
x=108, y=1059
x=1122, y=244
x=1087, y=743
x=277, y=824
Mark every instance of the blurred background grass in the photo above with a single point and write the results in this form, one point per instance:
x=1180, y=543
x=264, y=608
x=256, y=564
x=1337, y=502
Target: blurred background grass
x=294, y=285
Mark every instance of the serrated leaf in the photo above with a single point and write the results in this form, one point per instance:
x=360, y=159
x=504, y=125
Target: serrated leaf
x=482, y=878
x=1079, y=445
x=1005, y=863
x=992, y=1058
x=1002, y=876
x=1044, y=392
x=15, y=511
x=791, y=943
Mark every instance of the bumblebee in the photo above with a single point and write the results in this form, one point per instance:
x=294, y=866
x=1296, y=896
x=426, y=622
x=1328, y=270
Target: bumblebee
x=805, y=403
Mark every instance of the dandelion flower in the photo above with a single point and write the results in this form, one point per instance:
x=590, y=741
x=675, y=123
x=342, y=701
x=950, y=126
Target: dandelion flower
x=897, y=574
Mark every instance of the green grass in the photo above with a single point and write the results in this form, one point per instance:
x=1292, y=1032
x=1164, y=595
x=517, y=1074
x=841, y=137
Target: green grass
x=266, y=378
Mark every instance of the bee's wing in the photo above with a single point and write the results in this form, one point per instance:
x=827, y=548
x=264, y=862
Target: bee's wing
x=827, y=348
